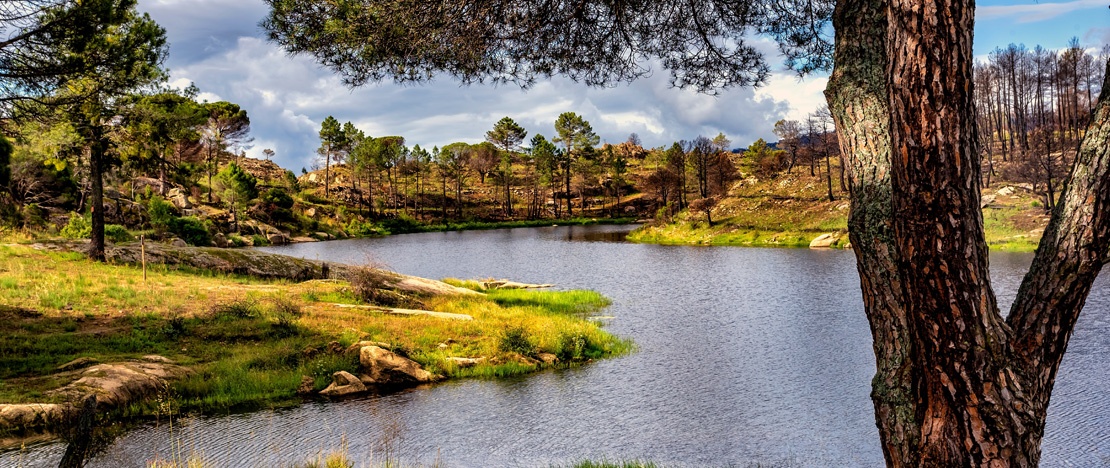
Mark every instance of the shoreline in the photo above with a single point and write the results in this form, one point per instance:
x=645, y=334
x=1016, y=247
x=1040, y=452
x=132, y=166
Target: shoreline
x=253, y=330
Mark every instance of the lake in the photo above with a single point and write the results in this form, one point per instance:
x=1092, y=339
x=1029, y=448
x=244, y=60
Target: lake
x=745, y=356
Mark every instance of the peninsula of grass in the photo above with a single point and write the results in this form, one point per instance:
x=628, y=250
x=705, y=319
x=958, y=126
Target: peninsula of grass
x=250, y=342
x=408, y=226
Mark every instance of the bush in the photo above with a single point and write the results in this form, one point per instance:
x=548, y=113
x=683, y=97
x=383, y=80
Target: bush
x=515, y=340
x=242, y=309
x=358, y=228
x=78, y=227
x=259, y=240
x=116, y=234
x=191, y=229
x=162, y=214
x=370, y=285
x=572, y=346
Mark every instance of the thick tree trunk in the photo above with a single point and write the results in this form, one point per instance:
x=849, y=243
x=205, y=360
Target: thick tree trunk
x=857, y=97
x=968, y=397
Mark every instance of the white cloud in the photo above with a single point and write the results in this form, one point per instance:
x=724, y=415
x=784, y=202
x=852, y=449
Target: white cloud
x=217, y=45
x=1034, y=12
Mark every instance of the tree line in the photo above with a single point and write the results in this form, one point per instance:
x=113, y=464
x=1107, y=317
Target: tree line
x=1033, y=106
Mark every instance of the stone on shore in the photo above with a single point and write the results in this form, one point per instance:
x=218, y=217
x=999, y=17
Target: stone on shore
x=385, y=368
x=343, y=383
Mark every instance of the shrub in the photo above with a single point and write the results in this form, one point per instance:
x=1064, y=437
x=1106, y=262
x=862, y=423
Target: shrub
x=162, y=214
x=116, y=234
x=242, y=309
x=192, y=230
x=78, y=227
x=371, y=285
x=572, y=346
x=515, y=340
x=358, y=228
x=259, y=240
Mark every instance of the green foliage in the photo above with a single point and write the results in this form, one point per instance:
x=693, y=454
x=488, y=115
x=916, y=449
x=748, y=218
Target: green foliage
x=515, y=340
x=238, y=186
x=192, y=230
x=358, y=228
x=117, y=234
x=278, y=198
x=162, y=214
x=78, y=227
x=259, y=240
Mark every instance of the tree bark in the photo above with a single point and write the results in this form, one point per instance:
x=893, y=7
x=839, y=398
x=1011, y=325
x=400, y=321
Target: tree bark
x=857, y=97
x=96, y=195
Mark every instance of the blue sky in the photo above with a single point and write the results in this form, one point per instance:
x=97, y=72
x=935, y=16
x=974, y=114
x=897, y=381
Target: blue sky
x=217, y=45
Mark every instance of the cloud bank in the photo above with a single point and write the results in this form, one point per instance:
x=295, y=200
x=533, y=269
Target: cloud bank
x=217, y=45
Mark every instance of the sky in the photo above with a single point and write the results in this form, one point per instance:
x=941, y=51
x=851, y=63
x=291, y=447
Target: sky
x=217, y=45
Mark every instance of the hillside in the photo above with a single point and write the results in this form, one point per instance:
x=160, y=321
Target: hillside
x=792, y=210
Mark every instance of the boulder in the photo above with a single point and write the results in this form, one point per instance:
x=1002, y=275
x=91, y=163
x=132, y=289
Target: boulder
x=824, y=241
x=277, y=238
x=177, y=242
x=384, y=368
x=548, y=358
x=219, y=240
x=343, y=383
x=179, y=199
x=357, y=347
x=33, y=416
x=1005, y=191
x=987, y=200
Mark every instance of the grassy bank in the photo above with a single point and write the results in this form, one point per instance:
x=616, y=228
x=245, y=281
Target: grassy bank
x=250, y=341
x=790, y=210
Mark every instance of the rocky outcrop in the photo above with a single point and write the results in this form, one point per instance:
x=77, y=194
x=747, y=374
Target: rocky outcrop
x=115, y=385
x=384, y=368
x=343, y=384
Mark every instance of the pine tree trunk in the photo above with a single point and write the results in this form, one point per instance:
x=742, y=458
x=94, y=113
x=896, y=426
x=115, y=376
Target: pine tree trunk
x=857, y=97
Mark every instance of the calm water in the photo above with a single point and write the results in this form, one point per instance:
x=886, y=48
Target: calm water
x=745, y=356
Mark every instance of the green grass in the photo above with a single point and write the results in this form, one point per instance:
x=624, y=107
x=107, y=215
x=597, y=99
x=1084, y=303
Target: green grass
x=245, y=339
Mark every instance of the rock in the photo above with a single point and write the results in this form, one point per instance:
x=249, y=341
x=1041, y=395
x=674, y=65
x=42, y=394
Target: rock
x=303, y=239
x=506, y=284
x=177, y=242
x=343, y=383
x=119, y=384
x=548, y=358
x=277, y=238
x=179, y=199
x=357, y=347
x=76, y=364
x=464, y=362
x=322, y=235
x=824, y=241
x=987, y=200
x=334, y=348
x=156, y=186
x=311, y=212
x=381, y=367
x=32, y=416
x=1005, y=191
x=308, y=384
x=219, y=240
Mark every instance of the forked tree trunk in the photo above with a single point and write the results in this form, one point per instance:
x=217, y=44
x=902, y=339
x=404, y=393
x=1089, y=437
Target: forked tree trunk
x=955, y=384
